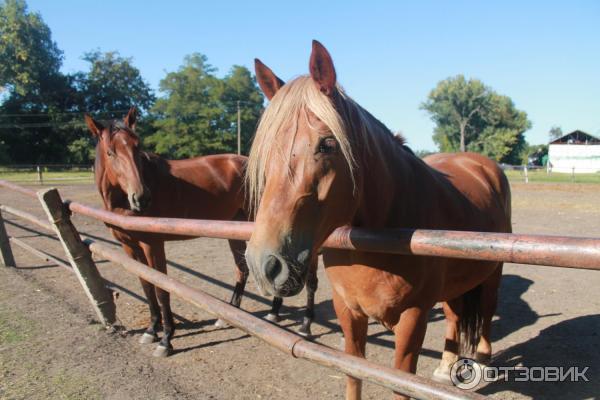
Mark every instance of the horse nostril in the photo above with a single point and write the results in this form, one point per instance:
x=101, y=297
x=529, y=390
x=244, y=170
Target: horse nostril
x=272, y=267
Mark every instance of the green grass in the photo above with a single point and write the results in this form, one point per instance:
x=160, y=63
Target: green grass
x=555, y=177
x=49, y=176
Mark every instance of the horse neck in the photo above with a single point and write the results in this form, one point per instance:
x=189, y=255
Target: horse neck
x=395, y=186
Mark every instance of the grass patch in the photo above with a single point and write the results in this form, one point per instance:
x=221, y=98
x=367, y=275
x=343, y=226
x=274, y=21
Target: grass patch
x=49, y=176
x=555, y=177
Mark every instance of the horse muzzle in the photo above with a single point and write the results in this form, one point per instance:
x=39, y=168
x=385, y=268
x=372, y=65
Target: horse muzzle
x=278, y=275
x=139, y=202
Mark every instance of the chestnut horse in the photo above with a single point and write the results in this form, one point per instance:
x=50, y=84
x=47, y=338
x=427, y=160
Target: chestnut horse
x=318, y=162
x=133, y=182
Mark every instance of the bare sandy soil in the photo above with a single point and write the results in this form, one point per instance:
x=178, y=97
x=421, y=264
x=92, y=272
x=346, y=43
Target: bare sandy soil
x=51, y=347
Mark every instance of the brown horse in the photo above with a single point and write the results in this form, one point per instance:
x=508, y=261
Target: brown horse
x=319, y=161
x=133, y=182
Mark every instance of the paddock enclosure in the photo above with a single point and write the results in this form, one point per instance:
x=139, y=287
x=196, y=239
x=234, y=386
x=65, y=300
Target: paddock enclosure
x=546, y=316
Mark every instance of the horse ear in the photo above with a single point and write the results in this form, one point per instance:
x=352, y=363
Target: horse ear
x=131, y=118
x=267, y=80
x=321, y=68
x=94, y=126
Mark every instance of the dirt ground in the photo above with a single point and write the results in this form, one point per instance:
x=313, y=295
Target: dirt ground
x=51, y=347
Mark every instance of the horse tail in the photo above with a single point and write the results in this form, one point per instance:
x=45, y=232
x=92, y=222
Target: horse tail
x=471, y=320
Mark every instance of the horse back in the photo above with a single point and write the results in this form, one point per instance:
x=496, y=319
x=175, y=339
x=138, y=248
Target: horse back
x=207, y=187
x=482, y=189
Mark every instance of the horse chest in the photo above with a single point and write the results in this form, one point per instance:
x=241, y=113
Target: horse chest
x=378, y=294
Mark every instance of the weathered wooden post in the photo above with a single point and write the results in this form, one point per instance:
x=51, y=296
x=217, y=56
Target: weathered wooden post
x=39, y=174
x=525, y=172
x=6, y=255
x=79, y=256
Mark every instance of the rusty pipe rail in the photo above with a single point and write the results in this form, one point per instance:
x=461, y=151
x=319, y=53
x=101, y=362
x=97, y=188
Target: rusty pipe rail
x=290, y=343
x=557, y=251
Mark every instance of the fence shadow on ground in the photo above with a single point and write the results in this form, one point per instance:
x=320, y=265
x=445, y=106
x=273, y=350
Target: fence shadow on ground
x=569, y=343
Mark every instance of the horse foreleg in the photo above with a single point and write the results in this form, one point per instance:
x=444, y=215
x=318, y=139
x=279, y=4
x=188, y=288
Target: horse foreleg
x=452, y=311
x=489, y=300
x=311, y=287
x=354, y=326
x=410, y=333
x=238, y=248
x=150, y=335
x=273, y=315
x=155, y=254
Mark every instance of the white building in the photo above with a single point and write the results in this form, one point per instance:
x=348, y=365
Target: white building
x=577, y=151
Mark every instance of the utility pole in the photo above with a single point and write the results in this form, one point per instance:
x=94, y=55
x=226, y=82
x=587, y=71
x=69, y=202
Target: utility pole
x=239, y=128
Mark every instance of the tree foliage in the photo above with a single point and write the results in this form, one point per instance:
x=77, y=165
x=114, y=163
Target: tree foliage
x=113, y=83
x=198, y=114
x=28, y=56
x=470, y=116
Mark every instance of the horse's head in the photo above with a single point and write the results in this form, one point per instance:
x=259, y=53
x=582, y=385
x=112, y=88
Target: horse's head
x=300, y=174
x=118, y=152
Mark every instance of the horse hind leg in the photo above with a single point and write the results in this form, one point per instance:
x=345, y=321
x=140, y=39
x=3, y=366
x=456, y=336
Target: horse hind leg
x=489, y=301
x=238, y=248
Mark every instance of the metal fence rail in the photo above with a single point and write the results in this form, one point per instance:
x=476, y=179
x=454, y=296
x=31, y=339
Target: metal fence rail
x=290, y=343
x=528, y=249
x=557, y=251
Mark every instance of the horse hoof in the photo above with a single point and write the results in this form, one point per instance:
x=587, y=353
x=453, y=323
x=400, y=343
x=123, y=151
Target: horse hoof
x=221, y=324
x=148, y=338
x=162, y=351
x=305, y=333
x=273, y=317
x=442, y=375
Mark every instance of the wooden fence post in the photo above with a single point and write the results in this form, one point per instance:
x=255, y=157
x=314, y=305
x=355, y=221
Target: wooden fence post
x=79, y=256
x=39, y=174
x=6, y=255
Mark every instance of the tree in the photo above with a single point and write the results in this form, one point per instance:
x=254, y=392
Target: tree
x=38, y=99
x=110, y=87
x=240, y=86
x=453, y=105
x=198, y=114
x=470, y=116
x=113, y=83
x=28, y=56
x=555, y=133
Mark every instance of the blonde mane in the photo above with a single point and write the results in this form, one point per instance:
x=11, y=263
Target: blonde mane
x=288, y=102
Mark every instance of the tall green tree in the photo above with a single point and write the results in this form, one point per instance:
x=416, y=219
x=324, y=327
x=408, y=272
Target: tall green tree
x=470, y=116
x=198, y=114
x=108, y=89
x=113, y=83
x=38, y=100
x=28, y=55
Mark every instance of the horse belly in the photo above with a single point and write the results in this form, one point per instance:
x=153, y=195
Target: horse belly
x=463, y=275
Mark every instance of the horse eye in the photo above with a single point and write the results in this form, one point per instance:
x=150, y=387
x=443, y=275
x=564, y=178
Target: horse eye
x=110, y=153
x=328, y=145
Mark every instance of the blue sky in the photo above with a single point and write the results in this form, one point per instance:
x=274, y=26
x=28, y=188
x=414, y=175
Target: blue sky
x=545, y=55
